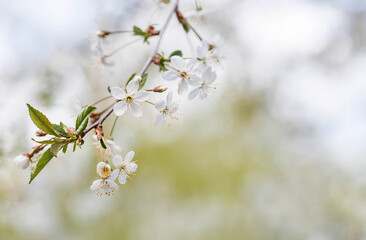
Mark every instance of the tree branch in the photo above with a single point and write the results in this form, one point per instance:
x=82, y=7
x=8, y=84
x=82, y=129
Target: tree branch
x=143, y=70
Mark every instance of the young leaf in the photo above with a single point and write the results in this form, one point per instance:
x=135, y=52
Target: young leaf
x=186, y=27
x=138, y=31
x=60, y=130
x=56, y=147
x=84, y=115
x=176, y=53
x=41, y=121
x=143, y=81
x=102, y=143
x=64, y=149
x=82, y=127
x=50, y=141
x=42, y=162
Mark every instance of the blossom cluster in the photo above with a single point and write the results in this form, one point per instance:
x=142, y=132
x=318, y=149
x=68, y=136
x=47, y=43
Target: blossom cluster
x=195, y=77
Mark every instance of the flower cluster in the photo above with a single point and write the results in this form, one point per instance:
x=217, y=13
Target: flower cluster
x=123, y=169
x=195, y=77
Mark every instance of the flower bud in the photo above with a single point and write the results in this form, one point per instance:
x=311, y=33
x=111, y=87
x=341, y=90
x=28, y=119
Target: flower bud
x=22, y=161
x=71, y=130
x=41, y=133
x=160, y=89
x=99, y=132
x=151, y=31
x=102, y=34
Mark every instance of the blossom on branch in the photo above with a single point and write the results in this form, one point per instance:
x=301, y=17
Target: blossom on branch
x=129, y=98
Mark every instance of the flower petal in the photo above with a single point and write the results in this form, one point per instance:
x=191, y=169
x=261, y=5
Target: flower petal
x=135, y=109
x=159, y=119
x=120, y=108
x=132, y=167
x=133, y=86
x=169, y=98
x=183, y=86
x=141, y=96
x=118, y=93
x=193, y=93
x=114, y=175
x=103, y=169
x=96, y=185
x=177, y=62
x=117, y=161
x=170, y=75
x=113, y=185
x=195, y=80
x=129, y=157
x=160, y=105
x=203, y=93
x=122, y=177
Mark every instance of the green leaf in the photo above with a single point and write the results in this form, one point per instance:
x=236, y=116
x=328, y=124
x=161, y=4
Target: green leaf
x=60, y=130
x=102, y=143
x=176, y=53
x=83, y=115
x=64, y=149
x=143, y=81
x=56, y=147
x=42, y=162
x=186, y=27
x=129, y=80
x=138, y=31
x=74, y=147
x=82, y=127
x=50, y=141
x=41, y=121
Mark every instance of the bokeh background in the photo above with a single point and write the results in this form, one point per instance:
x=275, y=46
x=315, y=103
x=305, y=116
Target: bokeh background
x=277, y=152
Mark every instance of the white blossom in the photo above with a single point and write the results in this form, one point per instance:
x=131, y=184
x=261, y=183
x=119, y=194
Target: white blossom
x=199, y=15
x=210, y=53
x=124, y=166
x=166, y=109
x=22, y=161
x=129, y=98
x=208, y=77
x=105, y=185
x=185, y=72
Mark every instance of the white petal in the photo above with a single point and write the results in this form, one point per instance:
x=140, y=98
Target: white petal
x=120, y=108
x=113, y=185
x=132, y=86
x=96, y=185
x=141, y=96
x=132, y=167
x=191, y=65
x=169, y=98
x=103, y=169
x=183, y=87
x=135, y=109
x=193, y=93
x=122, y=177
x=177, y=62
x=171, y=75
x=203, y=93
x=129, y=157
x=159, y=119
x=195, y=80
x=117, y=161
x=118, y=93
x=211, y=78
x=160, y=105
x=114, y=175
